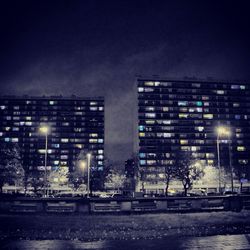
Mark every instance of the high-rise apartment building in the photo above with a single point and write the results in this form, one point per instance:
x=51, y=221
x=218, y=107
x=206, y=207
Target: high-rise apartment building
x=177, y=116
x=74, y=123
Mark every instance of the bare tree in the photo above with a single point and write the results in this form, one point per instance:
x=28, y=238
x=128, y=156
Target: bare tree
x=11, y=170
x=188, y=170
x=169, y=174
x=115, y=180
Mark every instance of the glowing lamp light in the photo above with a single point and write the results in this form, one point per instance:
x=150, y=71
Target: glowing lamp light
x=223, y=131
x=44, y=129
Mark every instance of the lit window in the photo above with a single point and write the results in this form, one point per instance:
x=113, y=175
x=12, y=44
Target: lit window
x=16, y=107
x=210, y=155
x=1, y=133
x=100, y=108
x=242, y=87
x=140, y=89
x=93, y=103
x=142, y=134
x=141, y=128
x=220, y=92
x=183, y=142
x=199, y=103
x=208, y=116
x=166, y=122
x=182, y=103
x=64, y=140
x=193, y=148
x=2, y=107
x=183, y=115
x=100, y=151
x=165, y=109
x=7, y=139
x=167, y=135
x=142, y=155
x=93, y=140
x=142, y=162
x=41, y=151
x=93, y=135
x=199, y=109
x=236, y=104
x=149, y=83
x=100, y=157
x=237, y=117
x=55, y=145
x=65, y=124
x=235, y=86
x=150, y=115
x=64, y=157
x=93, y=108
x=51, y=102
x=100, y=140
x=150, y=122
x=151, y=162
x=241, y=148
x=28, y=123
x=56, y=162
x=185, y=148
x=150, y=108
x=200, y=129
x=148, y=89
x=7, y=128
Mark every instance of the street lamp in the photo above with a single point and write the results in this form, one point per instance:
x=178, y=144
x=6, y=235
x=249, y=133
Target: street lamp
x=223, y=131
x=45, y=130
x=88, y=165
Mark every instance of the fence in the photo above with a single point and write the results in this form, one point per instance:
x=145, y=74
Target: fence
x=124, y=205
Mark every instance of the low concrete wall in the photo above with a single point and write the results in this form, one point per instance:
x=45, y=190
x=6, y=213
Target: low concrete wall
x=122, y=205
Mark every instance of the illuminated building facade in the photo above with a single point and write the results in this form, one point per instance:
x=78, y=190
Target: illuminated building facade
x=75, y=124
x=177, y=116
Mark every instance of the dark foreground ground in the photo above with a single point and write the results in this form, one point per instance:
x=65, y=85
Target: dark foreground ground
x=121, y=227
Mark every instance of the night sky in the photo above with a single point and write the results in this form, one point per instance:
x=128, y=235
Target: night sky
x=96, y=48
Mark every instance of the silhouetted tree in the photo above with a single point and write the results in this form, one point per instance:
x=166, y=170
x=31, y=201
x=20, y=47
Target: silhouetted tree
x=188, y=169
x=170, y=173
x=35, y=179
x=11, y=169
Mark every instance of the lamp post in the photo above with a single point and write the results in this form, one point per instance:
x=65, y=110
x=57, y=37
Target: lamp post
x=224, y=131
x=88, y=165
x=45, y=130
x=230, y=165
x=218, y=160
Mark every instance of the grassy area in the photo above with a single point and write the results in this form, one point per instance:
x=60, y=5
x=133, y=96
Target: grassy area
x=94, y=227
